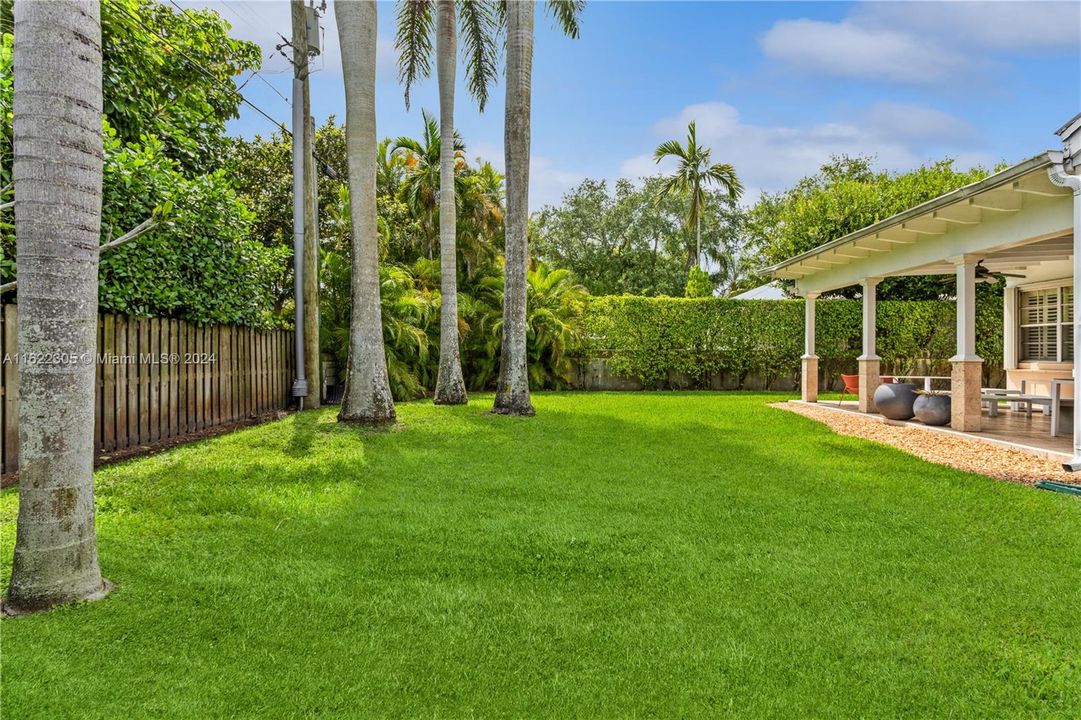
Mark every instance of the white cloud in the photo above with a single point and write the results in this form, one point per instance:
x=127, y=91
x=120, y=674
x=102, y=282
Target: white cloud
x=996, y=25
x=845, y=49
x=912, y=122
x=261, y=22
x=922, y=42
x=770, y=158
x=485, y=150
x=548, y=183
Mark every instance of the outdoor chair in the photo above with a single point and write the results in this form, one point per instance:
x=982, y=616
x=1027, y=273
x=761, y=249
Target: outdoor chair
x=852, y=385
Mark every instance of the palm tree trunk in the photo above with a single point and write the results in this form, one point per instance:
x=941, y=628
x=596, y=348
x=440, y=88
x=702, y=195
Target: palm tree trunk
x=449, y=385
x=57, y=170
x=367, y=389
x=310, y=288
x=698, y=239
x=512, y=393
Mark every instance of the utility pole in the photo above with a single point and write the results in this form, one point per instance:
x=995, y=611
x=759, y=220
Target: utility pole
x=312, y=357
x=304, y=273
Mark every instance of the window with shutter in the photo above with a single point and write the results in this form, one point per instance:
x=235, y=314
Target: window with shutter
x=1046, y=327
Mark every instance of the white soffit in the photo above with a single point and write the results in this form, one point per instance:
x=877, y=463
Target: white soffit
x=998, y=195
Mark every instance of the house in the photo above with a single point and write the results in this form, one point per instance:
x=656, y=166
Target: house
x=769, y=291
x=1021, y=221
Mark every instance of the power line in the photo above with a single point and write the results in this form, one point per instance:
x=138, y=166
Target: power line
x=198, y=66
x=254, y=73
x=269, y=85
x=246, y=20
x=325, y=166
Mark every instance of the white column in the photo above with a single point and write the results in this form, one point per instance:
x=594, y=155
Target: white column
x=809, y=325
x=966, y=308
x=967, y=376
x=1009, y=328
x=1061, y=177
x=870, y=323
x=809, y=361
x=869, y=362
x=1075, y=463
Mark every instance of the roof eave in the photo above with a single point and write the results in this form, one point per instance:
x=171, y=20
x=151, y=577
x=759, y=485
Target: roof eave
x=1045, y=159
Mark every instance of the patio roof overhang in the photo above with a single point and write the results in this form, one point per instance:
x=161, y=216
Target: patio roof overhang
x=1012, y=220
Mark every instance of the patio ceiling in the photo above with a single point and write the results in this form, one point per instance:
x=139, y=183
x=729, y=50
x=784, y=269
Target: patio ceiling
x=1013, y=259
x=1013, y=220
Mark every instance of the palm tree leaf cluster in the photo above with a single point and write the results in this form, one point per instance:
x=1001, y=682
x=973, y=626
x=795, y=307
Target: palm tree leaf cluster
x=692, y=177
x=478, y=29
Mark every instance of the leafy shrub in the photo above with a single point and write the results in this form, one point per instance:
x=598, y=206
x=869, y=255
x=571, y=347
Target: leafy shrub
x=656, y=339
x=411, y=303
x=699, y=284
x=200, y=265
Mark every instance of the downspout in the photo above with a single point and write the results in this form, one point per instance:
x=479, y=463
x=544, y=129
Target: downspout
x=1058, y=175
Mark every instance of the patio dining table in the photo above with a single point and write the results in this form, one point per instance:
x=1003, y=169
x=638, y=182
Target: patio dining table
x=926, y=379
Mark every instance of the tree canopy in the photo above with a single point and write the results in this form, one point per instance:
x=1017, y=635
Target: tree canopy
x=846, y=194
x=167, y=79
x=635, y=239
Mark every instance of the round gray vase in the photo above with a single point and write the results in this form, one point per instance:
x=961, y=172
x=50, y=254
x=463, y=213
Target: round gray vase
x=895, y=400
x=932, y=409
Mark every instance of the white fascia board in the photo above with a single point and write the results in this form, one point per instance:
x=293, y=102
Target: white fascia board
x=1003, y=179
x=1041, y=218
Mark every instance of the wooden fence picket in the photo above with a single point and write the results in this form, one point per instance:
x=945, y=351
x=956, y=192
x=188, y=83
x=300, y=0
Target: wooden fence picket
x=157, y=379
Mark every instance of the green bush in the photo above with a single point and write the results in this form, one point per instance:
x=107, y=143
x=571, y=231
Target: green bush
x=698, y=284
x=199, y=265
x=665, y=341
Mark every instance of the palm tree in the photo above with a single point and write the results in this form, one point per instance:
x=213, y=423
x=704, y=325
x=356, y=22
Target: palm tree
x=691, y=178
x=480, y=208
x=58, y=174
x=421, y=182
x=389, y=168
x=555, y=309
x=512, y=389
x=367, y=389
x=414, y=29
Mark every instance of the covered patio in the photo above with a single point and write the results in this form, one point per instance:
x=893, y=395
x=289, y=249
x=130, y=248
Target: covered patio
x=1013, y=429
x=1019, y=225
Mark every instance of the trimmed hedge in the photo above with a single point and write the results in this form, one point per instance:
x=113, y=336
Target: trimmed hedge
x=658, y=339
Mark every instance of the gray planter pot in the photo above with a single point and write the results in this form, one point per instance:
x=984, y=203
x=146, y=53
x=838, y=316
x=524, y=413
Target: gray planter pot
x=895, y=400
x=932, y=409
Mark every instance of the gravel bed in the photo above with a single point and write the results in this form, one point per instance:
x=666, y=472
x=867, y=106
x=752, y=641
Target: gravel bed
x=943, y=448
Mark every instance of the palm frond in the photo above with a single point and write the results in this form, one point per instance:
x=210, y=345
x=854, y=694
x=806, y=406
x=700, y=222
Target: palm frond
x=669, y=148
x=414, y=42
x=477, y=28
x=566, y=14
x=724, y=175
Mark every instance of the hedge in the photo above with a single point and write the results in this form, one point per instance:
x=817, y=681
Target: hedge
x=657, y=339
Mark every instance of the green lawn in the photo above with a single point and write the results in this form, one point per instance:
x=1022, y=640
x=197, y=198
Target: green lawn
x=618, y=555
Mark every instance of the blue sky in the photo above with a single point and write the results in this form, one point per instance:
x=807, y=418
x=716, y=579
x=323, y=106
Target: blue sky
x=775, y=87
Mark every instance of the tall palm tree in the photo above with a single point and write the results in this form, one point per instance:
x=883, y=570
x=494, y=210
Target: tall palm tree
x=367, y=389
x=414, y=29
x=693, y=175
x=58, y=173
x=512, y=389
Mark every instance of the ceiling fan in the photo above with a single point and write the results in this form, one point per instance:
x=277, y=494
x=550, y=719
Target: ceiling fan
x=983, y=274
x=986, y=275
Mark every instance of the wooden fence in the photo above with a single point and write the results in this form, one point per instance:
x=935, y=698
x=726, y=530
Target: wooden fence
x=160, y=379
